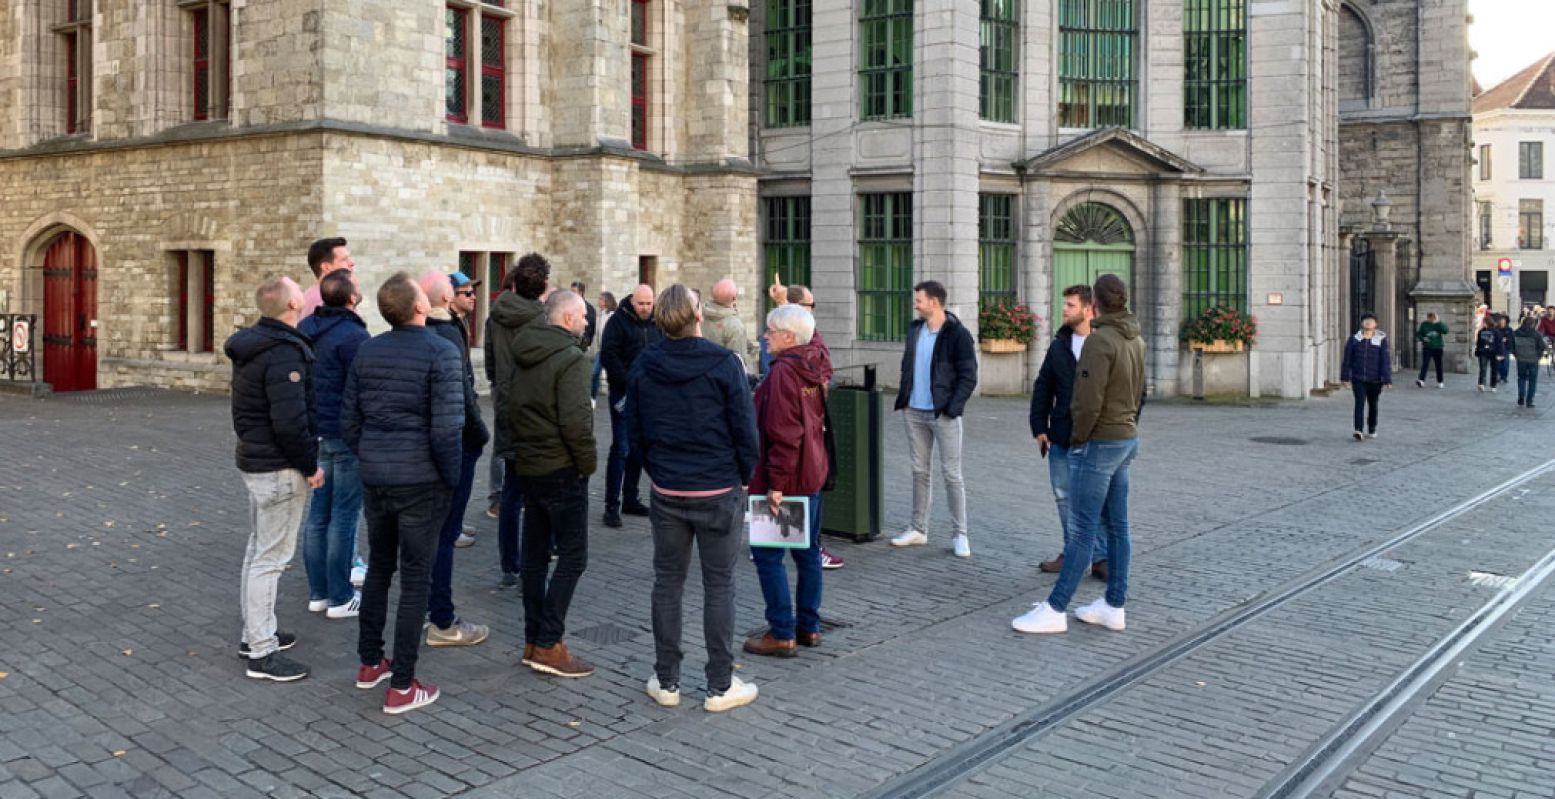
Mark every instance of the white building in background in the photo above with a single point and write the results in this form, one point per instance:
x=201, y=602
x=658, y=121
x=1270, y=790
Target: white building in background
x=1514, y=187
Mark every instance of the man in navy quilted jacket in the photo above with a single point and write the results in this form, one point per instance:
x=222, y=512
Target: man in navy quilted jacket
x=403, y=414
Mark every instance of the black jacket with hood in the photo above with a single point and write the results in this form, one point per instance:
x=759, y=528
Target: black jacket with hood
x=508, y=314
x=626, y=336
x=689, y=413
x=273, y=410
x=952, y=370
x=1054, y=390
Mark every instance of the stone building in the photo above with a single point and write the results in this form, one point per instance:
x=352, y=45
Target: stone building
x=159, y=157
x=1209, y=151
x=1513, y=123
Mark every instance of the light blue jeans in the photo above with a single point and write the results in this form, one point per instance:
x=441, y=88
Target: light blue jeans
x=1098, y=504
x=329, y=535
x=1058, y=475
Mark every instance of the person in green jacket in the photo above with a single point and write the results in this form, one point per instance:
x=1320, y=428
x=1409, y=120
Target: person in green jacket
x=1432, y=340
x=551, y=422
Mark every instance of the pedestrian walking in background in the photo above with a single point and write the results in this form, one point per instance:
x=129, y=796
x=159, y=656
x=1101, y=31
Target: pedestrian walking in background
x=630, y=332
x=1368, y=367
x=447, y=628
x=553, y=456
x=1108, y=393
x=1528, y=346
x=1432, y=337
x=939, y=374
x=273, y=415
x=607, y=308
x=329, y=536
x=1486, y=345
x=590, y=329
x=403, y=414
x=697, y=473
x=1504, y=346
x=1051, y=421
x=790, y=419
x=517, y=306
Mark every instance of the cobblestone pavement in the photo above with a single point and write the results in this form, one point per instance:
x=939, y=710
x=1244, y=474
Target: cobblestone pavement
x=122, y=528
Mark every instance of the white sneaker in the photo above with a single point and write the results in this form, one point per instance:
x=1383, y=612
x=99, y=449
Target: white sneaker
x=1441, y=385
x=1481, y=388
x=464, y=540
x=740, y=693
x=359, y=573
x=1372, y=434
x=961, y=546
x=1101, y=613
x=1492, y=389
x=669, y=698
x=1359, y=435
x=317, y=605
x=911, y=538
x=349, y=610
x=1420, y=384
x=1042, y=618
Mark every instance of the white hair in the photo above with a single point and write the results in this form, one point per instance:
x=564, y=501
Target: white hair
x=796, y=319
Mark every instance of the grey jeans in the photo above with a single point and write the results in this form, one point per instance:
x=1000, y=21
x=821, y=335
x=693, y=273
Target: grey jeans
x=277, y=504
x=715, y=526
x=924, y=434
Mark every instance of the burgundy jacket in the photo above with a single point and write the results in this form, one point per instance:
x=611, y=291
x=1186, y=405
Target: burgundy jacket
x=790, y=413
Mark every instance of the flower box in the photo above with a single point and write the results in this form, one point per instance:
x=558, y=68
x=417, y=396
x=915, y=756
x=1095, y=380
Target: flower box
x=1002, y=345
x=1218, y=345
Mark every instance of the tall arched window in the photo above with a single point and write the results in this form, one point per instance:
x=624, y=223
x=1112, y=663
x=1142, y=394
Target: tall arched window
x=1356, y=53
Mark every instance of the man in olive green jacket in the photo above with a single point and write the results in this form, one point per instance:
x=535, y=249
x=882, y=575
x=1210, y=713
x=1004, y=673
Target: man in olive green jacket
x=1108, y=391
x=721, y=321
x=551, y=422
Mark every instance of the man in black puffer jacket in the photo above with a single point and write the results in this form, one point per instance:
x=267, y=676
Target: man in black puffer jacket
x=628, y=333
x=1051, y=422
x=278, y=454
x=404, y=415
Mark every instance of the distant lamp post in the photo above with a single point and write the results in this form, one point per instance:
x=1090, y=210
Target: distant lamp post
x=1381, y=206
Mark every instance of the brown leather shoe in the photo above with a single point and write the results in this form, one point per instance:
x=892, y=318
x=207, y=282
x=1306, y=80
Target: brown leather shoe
x=1053, y=566
x=808, y=639
x=771, y=646
x=1099, y=570
x=558, y=661
x=529, y=653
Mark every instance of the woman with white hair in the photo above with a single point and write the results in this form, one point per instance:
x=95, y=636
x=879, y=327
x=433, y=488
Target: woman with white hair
x=790, y=414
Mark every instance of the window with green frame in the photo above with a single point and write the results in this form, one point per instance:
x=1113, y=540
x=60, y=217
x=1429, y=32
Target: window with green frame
x=996, y=248
x=788, y=63
x=885, y=66
x=785, y=241
x=885, y=266
x=1214, y=255
x=1096, y=69
x=1000, y=31
x=1215, y=64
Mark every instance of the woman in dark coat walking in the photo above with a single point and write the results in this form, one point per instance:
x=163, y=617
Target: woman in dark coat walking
x=1368, y=368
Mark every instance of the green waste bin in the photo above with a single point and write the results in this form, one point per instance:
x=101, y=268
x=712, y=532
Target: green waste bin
x=854, y=508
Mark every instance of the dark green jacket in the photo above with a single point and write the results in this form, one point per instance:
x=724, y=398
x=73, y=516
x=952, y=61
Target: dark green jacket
x=509, y=314
x=550, y=418
x=1109, y=381
x=1431, y=335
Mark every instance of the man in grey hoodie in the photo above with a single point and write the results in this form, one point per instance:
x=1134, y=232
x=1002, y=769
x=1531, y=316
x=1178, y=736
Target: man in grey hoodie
x=518, y=305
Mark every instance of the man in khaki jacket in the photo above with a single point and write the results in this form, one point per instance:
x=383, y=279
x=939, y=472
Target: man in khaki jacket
x=1108, y=391
x=721, y=321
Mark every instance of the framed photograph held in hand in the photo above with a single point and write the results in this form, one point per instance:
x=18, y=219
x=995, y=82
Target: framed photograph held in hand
x=789, y=528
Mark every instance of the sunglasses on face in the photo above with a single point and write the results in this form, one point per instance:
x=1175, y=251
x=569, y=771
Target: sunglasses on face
x=464, y=293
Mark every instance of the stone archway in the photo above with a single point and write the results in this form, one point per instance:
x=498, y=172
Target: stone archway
x=1091, y=239
x=67, y=270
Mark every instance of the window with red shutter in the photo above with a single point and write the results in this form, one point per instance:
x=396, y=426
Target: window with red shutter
x=493, y=72
x=455, y=77
x=202, y=64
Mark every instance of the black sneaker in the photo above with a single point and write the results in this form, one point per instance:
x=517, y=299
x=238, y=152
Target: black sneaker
x=509, y=579
x=276, y=667
x=634, y=508
x=612, y=518
x=285, y=640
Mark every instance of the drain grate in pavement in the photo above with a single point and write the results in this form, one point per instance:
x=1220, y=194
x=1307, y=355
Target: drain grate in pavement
x=1284, y=441
x=606, y=634
x=1363, y=461
x=106, y=395
x=1489, y=580
x=1382, y=564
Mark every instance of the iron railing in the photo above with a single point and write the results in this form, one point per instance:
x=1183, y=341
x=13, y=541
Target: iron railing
x=19, y=350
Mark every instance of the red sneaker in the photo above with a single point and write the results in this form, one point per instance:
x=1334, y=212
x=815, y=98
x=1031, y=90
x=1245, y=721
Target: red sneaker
x=417, y=695
x=371, y=676
x=830, y=561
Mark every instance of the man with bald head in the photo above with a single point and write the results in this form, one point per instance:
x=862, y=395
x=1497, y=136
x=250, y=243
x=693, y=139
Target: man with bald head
x=274, y=417
x=721, y=321
x=630, y=331
x=551, y=424
x=447, y=628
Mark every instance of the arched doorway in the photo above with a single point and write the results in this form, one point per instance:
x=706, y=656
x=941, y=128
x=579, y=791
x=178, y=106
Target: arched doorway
x=1090, y=240
x=70, y=313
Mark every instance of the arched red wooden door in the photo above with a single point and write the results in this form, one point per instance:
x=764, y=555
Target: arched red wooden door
x=70, y=314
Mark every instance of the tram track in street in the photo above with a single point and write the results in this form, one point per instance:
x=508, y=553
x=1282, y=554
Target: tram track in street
x=1324, y=761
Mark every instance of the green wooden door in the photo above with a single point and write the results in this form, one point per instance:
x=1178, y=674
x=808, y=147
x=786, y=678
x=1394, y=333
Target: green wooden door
x=1083, y=263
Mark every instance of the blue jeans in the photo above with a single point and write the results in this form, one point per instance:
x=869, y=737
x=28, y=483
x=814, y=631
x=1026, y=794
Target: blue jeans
x=774, y=582
x=1098, y=492
x=440, y=601
x=1058, y=475
x=599, y=367
x=509, y=517
x=624, y=470
x=1527, y=381
x=329, y=535
x=766, y=357
x=1504, y=366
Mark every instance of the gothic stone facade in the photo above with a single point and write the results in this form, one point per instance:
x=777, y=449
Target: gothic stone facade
x=172, y=152
x=1137, y=184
